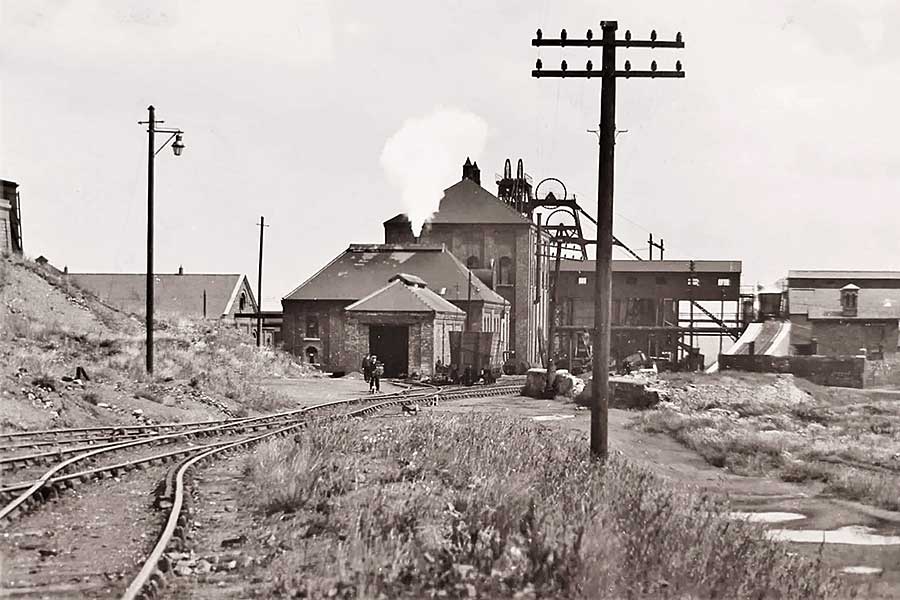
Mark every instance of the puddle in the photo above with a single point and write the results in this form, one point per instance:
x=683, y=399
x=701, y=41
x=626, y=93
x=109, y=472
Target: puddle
x=552, y=417
x=766, y=517
x=854, y=534
x=862, y=570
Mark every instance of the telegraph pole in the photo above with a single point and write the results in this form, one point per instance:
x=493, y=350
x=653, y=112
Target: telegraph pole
x=603, y=275
x=661, y=245
x=262, y=226
x=151, y=157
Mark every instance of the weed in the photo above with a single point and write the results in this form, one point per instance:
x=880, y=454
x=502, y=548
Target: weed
x=770, y=426
x=491, y=507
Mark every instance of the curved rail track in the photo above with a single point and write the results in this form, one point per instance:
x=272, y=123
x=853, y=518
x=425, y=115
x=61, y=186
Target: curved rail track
x=151, y=579
x=23, y=496
x=76, y=465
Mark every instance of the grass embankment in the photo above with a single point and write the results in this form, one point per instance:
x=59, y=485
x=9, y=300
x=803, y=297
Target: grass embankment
x=480, y=506
x=48, y=327
x=774, y=425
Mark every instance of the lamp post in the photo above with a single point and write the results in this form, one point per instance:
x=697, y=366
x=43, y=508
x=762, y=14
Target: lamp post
x=152, y=151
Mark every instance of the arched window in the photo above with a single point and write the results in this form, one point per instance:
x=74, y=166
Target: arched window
x=312, y=354
x=473, y=262
x=242, y=303
x=507, y=275
x=312, y=326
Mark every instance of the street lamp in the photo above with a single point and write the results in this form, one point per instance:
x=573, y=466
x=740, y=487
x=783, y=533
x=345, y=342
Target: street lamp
x=152, y=151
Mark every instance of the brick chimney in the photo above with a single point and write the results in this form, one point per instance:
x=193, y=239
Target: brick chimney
x=180, y=270
x=399, y=230
x=471, y=171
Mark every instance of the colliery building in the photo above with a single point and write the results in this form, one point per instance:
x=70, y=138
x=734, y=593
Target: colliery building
x=844, y=312
x=656, y=305
x=488, y=256
x=10, y=218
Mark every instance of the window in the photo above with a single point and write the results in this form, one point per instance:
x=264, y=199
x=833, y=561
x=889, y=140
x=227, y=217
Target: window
x=243, y=302
x=724, y=282
x=631, y=280
x=693, y=281
x=507, y=275
x=661, y=281
x=582, y=281
x=312, y=326
x=473, y=262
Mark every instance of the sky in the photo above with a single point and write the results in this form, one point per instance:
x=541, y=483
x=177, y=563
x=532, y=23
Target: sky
x=779, y=147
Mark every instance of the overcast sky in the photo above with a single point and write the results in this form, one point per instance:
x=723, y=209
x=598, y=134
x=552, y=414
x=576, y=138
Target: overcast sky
x=779, y=148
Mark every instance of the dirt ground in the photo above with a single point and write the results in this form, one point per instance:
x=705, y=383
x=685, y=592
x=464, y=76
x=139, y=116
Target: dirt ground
x=683, y=467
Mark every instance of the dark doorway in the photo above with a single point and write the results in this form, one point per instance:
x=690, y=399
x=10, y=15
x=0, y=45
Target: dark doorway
x=390, y=343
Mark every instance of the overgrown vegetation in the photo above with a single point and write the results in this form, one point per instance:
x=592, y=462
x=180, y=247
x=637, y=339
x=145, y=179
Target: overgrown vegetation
x=49, y=327
x=777, y=426
x=488, y=507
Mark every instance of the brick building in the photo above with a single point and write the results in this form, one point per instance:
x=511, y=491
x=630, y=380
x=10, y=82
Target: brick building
x=405, y=324
x=10, y=218
x=315, y=314
x=844, y=312
x=500, y=245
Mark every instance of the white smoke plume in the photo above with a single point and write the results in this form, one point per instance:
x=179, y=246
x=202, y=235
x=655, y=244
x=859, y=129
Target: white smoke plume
x=425, y=156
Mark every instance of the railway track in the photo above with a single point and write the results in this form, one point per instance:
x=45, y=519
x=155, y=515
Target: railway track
x=74, y=467
x=23, y=496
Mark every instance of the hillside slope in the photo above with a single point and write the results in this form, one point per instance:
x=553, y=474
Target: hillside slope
x=49, y=328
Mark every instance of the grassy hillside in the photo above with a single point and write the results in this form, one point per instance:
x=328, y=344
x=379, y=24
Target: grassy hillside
x=49, y=327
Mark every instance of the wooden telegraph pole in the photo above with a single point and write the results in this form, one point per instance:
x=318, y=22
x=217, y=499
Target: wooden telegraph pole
x=603, y=275
x=262, y=226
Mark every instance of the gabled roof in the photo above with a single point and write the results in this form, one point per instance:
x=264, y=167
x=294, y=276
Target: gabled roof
x=180, y=295
x=656, y=266
x=363, y=269
x=468, y=202
x=400, y=296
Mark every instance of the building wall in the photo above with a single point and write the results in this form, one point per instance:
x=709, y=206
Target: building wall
x=846, y=338
x=329, y=343
x=429, y=338
x=494, y=242
x=5, y=227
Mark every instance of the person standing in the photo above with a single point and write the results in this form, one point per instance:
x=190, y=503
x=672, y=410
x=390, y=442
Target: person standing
x=367, y=367
x=375, y=375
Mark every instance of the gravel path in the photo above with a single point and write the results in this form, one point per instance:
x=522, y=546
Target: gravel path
x=85, y=544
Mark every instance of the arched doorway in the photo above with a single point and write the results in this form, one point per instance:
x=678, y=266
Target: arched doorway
x=312, y=355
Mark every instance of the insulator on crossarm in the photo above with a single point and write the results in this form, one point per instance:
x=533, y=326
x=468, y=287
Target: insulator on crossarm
x=563, y=66
x=590, y=66
x=627, y=65
x=627, y=35
x=590, y=34
x=678, y=65
x=678, y=37
x=653, y=36
x=538, y=64
x=653, y=66
x=540, y=34
x=562, y=34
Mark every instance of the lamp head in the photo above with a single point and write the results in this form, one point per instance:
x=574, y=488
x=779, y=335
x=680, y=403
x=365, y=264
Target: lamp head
x=178, y=145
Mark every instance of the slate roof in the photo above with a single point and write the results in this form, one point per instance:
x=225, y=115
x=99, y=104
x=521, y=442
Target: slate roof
x=848, y=275
x=180, y=295
x=656, y=266
x=401, y=296
x=364, y=268
x=873, y=303
x=468, y=202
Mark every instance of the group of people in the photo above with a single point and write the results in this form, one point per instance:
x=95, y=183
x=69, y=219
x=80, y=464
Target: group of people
x=372, y=371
